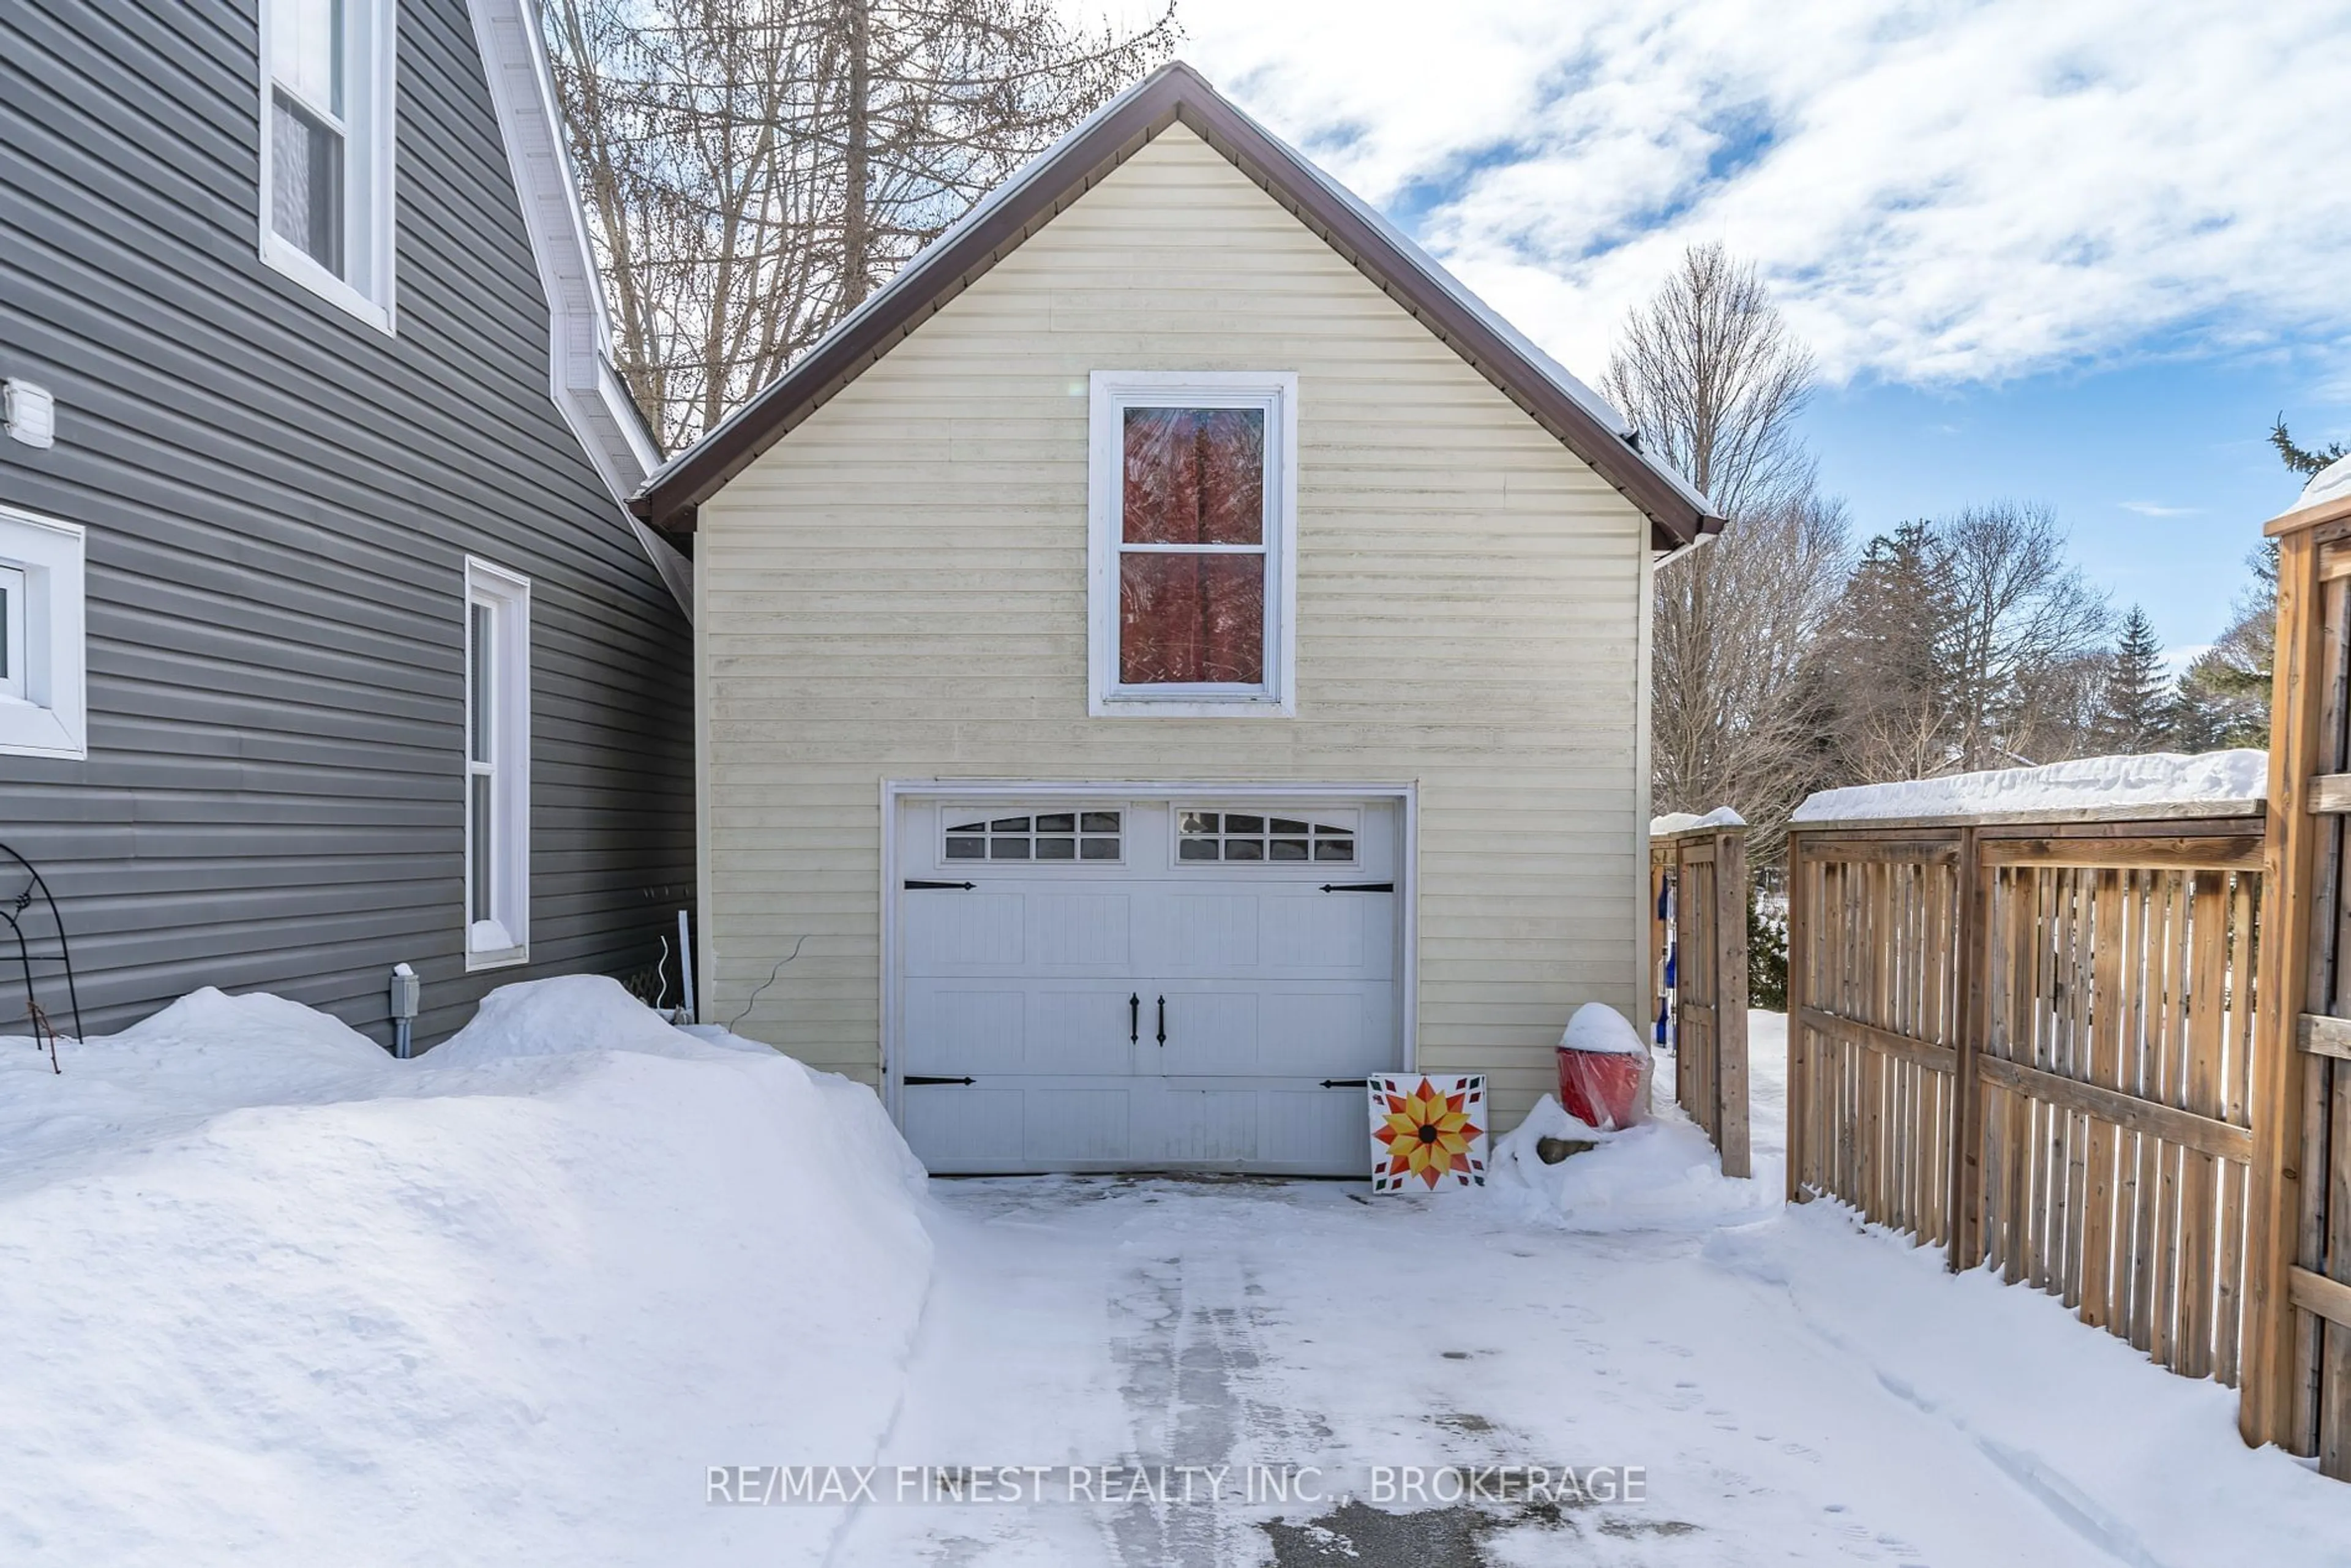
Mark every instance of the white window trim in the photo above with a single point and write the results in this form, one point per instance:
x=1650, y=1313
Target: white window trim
x=508, y=593
x=51, y=717
x=372, y=138
x=1113, y=393
x=16, y=608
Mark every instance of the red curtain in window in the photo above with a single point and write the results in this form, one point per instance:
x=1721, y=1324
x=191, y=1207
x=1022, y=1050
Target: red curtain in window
x=1193, y=477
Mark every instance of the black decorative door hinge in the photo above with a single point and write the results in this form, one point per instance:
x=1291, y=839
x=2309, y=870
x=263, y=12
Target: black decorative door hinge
x=1346, y=1083
x=915, y=1079
x=917, y=884
x=1359, y=887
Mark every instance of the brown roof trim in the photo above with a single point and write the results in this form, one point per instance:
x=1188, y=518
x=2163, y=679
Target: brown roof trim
x=1174, y=92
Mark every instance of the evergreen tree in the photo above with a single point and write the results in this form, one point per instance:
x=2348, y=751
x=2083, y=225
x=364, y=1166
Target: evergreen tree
x=2300, y=459
x=2138, y=710
x=2224, y=694
x=1891, y=657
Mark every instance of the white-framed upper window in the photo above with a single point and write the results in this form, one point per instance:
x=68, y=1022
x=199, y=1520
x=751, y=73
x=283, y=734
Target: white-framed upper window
x=497, y=766
x=327, y=135
x=1194, y=543
x=42, y=668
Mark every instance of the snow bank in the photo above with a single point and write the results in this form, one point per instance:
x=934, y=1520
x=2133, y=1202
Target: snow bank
x=205, y=1054
x=1598, y=1027
x=2109, y=784
x=274, y=1297
x=564, y=1016
x=1684, y=821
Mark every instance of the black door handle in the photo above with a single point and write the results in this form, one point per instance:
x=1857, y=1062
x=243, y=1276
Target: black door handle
x=1163, y=1020
x=1133, y=1018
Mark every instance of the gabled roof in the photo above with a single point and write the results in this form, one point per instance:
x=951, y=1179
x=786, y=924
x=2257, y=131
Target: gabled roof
x=1571, y=412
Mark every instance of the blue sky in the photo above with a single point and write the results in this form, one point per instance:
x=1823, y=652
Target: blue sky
x=2077, y=252
x=2160, y=472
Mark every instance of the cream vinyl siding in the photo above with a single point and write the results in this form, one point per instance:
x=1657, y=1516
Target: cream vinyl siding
x=897, y=590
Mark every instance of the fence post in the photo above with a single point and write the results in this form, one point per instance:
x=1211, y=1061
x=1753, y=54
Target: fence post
x=2265, y=1378
x=1967, y=1097
x=1799, y=959
x=1730, y=981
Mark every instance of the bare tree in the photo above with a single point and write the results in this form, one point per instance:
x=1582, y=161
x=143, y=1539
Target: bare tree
x=1709, y=375
x=1968, y=643
x=2024, y=639
x=1738, y=703
x=752, y=169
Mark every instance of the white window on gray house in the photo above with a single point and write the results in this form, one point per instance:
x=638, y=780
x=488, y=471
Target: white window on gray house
x=497, y=766
x=326, y=149
x=42, y=704
x=1193, y=551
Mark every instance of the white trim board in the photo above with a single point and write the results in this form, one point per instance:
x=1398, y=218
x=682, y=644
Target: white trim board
x=587, y=392
x=897, y=791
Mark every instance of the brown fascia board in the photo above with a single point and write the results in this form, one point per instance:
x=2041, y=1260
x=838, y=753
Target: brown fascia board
x=1174, y=92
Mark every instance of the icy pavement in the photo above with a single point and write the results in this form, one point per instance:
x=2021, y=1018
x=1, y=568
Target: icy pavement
x=1789, y=1387
x=1270, y=1327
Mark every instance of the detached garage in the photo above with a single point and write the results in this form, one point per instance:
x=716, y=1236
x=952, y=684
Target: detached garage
x=1171, y=653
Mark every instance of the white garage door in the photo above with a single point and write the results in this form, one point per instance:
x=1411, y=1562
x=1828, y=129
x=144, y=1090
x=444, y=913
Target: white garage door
x=1119, y=984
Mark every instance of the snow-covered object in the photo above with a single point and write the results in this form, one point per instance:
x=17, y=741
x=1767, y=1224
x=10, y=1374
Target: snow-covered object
x=2161, y=782
x=1596, y=1026
x=1660, y=1176
x=274, y=1297
x=1686, y=821
x=1604, y=1069
x=2332, y=483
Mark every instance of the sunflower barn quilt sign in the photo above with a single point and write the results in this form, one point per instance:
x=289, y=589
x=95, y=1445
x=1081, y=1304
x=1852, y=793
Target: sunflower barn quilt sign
x=1427, y=1130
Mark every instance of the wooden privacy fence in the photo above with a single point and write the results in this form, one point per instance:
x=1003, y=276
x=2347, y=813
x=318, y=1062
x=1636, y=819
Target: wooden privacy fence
x=1698, y=958
x=2297, y=1379
x=2029, y=1042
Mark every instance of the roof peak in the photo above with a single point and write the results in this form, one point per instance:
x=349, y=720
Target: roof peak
x=1004, y=218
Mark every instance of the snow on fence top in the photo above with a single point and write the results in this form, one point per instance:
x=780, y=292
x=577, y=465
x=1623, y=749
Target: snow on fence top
x=2332, y=483
x=2163, y=784
x=1690, y=821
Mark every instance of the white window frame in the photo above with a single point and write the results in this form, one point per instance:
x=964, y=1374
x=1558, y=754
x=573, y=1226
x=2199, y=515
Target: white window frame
x=506, y=595
x=44, y=706
x=1113, y=393
x=371, y=31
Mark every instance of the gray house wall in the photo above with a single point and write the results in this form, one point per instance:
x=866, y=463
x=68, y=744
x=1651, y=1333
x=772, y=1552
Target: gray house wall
x=279, y=501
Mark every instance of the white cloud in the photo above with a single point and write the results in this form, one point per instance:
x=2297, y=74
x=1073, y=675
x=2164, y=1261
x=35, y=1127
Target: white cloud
x=1940, y=192
x=2155, y=510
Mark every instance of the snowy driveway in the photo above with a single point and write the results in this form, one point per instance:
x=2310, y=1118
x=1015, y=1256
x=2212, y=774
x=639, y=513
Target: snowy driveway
x=1240, y=1324
x=1794, y=1389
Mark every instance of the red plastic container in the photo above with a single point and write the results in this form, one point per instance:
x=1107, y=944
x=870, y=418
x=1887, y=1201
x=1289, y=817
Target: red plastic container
x=1605, y=1089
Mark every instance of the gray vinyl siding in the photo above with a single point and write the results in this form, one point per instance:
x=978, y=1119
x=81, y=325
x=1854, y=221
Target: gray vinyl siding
x=279, y=500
